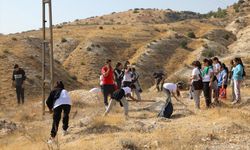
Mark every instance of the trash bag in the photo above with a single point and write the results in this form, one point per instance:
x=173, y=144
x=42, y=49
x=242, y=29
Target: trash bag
x=166, y=111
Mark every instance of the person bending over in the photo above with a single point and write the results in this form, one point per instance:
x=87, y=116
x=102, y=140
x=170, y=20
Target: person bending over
x=120, y=96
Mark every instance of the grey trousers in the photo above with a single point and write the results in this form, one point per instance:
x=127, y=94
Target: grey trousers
x=124, y=103
x=237, y=84
x=196, y=96
x=233, y=94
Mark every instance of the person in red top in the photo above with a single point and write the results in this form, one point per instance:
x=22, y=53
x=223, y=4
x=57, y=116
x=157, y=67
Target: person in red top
x=108, y=86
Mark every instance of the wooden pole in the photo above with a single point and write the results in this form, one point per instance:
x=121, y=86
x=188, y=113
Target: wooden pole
x=51, y=57
x=43, y=57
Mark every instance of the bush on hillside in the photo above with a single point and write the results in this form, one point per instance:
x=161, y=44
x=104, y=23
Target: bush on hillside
x=184, y=44
x=6, y=51
x=136, y=11
x=209, y=53
x=220, y=13
x=63, y=40
x=74, y=77
x=236, y=7
x=14, y=39
x=191, y=35
x=101, y=27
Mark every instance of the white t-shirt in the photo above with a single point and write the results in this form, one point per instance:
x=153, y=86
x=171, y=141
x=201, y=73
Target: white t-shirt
x=206, y=77
x=196, y=72
x=217, y=69
x=127, y=76
x=127, y=90
x=170, y=86
x=64, y=99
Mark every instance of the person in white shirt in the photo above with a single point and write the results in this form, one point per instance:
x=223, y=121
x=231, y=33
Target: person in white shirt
x=207, y=78
x=170, y=89
x=120, y=96
x=196, y=79
x=57, y=102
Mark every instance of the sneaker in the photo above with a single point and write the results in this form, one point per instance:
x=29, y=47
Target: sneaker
x=106, y=107
x=51, y=140
x=235, y=102
x=65, y=132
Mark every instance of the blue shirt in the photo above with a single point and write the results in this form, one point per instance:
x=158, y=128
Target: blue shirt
x=238, y=72
x=222, y=76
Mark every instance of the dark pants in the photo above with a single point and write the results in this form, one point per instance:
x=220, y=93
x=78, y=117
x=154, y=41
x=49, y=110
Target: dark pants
x=126, y=84
x=107, y=90
x=159, y=84
x=207, y=93
x=57, y=117
x=167, y=109
x=20, y=94
x=119, y=84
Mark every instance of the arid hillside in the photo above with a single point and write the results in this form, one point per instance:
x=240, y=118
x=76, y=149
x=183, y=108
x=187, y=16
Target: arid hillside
x=150, y=39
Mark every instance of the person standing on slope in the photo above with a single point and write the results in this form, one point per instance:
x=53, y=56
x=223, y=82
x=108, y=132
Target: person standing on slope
x=18, y=78
x=107, y=81
x=238, y=78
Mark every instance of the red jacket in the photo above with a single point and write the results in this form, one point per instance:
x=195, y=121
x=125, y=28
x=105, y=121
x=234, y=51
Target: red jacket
x=108, y=80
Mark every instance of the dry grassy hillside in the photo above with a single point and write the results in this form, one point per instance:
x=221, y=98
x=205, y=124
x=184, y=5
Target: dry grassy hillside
x=152, y=40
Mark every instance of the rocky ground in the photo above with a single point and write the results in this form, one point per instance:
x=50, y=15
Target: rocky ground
x=222, y=127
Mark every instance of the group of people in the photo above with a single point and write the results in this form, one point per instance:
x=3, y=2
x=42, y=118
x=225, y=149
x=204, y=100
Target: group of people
x=118, y=83
x=213, y=77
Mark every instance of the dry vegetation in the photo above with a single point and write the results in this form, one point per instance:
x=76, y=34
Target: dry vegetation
x=150, y=39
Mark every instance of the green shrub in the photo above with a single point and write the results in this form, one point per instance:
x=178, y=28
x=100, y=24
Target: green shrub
x=136, y=11
x=101, y=27
x=184, y=44
x=82, y=63
x=226, y=37
x=191, y=35
x=220, y=13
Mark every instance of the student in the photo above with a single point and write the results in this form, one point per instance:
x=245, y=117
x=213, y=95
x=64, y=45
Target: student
x=120, y=96
x=18, y=78
x=57, y=102
x=223, y=78
x=169, y=89
x=118, y=74
x=159, y=80
x=108, y=81
x=237, y=77
x=207, y=78
x=196, y=82
x=135, y=81
x=216, y=66
x=127, y=77
x=230, y=78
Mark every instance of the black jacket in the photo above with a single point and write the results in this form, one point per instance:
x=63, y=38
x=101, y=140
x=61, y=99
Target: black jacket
x=53, y=96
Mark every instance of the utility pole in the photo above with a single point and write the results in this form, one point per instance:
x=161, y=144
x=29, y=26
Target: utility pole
x=46, y=42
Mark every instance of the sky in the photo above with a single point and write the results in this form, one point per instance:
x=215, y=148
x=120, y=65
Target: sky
x=23, y=15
